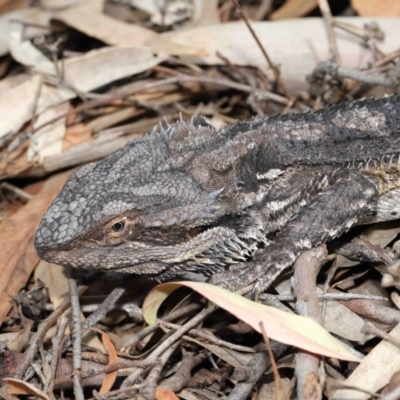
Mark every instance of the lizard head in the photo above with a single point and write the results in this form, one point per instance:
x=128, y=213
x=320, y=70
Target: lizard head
x=140, y=210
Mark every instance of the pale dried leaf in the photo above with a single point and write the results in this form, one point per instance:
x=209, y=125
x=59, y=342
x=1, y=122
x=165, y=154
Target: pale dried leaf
x=49, y=140
x=374, y=371
x=380, y=235
x=55, y=280
x=287, y=328
x=25, y=52
x=18, y=105
x=206, y=13
x=109, y=64
x=148, y=6
x=296, y=46
x=11, y=81
x=8, y=337
x=30, y=15
x=59, y=4
x=119, y=33
x=338, y=319
x=20, y=342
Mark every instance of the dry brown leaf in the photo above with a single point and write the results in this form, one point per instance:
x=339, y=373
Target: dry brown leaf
x=165, y=394
x=18, y=255
x=16, y=386
x=110, y=378
x=7, y=6
x=77, y=134
x=294, y=9
x=119, y=33
x=377, y=8
x=6, y=396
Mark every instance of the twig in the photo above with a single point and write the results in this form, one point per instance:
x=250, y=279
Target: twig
x=182, y=376
x=103, y=308
x=306, y=269
x=76, y=336
x=248, y=375
x=386, y=59
x=150, y=329
x=369, y=328
x=153, y=85
x=234, y=67
x=372, y=310
x=24, y=196
x=152, y=379
x=334, y=297
x=266, y=56
x=38, y=26
x=210, y=337
x=337, y=71
x=362, y=33
x=393, y=395
x=64, y=380
x=326, y=13
x=40, y=334
x=168, y=342
x=379, y=251
x=57, y=349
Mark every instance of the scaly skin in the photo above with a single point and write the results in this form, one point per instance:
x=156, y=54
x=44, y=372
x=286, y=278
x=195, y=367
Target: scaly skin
x=188, y=201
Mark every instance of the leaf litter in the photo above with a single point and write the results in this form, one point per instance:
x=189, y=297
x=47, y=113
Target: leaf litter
x=81, y=78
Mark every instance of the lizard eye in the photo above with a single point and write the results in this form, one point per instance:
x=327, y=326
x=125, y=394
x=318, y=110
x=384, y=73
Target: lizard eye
x=117, y=231
x=118, y=226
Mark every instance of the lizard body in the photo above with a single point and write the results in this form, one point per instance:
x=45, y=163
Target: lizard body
x=189, y=201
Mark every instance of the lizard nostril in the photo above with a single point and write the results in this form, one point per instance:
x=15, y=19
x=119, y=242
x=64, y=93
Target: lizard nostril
x=119, y=226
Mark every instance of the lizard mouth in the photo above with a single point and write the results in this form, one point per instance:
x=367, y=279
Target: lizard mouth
x=207, y=248
x=196, y=231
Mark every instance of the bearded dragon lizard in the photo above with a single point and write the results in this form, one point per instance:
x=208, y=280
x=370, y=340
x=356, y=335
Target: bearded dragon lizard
x=236, y=205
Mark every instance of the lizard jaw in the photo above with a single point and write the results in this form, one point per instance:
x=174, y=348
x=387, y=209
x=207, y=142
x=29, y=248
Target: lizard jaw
x=209, y=251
